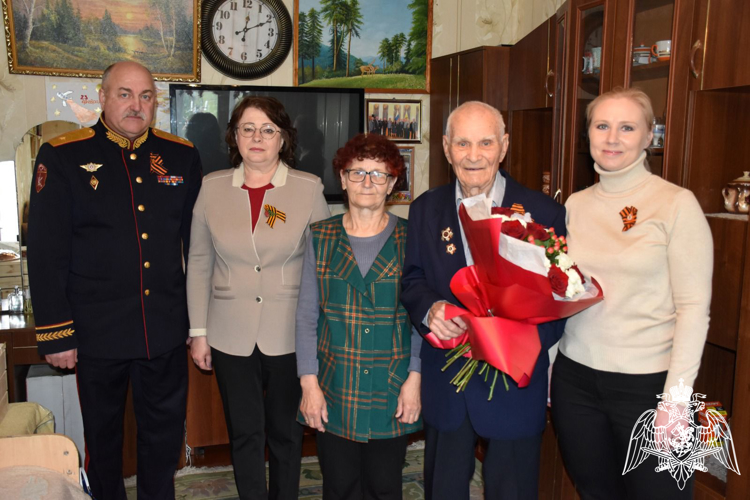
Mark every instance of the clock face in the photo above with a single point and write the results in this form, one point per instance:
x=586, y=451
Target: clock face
x=246, y=39
x=245, y=31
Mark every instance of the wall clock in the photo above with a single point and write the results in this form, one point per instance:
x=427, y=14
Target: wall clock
x=245, y=39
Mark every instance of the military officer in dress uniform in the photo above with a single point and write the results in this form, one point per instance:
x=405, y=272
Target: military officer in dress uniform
x=110, y=217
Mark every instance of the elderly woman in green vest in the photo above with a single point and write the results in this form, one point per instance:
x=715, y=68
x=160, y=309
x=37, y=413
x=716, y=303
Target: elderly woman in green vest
x=357, y=357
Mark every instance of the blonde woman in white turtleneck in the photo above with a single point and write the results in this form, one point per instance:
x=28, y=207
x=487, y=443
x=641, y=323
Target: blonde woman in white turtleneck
x=655, y=269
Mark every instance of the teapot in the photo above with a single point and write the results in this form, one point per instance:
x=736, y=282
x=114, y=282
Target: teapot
x=737, y=195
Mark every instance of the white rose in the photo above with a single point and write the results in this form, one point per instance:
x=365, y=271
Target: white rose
x=575, y=286
x=564, y=262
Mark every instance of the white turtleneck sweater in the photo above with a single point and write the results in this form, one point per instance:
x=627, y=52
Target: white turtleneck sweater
x=656, y=276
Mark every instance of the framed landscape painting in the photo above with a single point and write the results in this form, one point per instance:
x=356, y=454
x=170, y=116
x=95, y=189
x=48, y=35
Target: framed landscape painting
x=382, y=46
x=81, y=38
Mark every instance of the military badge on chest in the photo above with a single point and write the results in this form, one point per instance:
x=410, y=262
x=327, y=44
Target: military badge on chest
x=92, y=167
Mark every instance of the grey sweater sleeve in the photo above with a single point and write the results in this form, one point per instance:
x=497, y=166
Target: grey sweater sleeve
x=415, y=363
x=308, y=311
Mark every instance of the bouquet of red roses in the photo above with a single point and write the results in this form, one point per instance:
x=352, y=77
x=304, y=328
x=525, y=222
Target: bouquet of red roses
x=521, y=277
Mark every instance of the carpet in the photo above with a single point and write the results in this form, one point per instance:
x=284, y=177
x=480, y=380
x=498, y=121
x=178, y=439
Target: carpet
x=218, y=483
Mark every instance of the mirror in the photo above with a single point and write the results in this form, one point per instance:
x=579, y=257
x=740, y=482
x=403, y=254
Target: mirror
x=15, y=189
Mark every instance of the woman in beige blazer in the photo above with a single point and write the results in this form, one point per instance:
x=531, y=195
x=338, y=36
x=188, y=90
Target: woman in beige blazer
x=250, y=226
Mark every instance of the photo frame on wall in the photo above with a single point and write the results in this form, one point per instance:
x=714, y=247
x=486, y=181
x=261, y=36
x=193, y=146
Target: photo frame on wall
x=85, y=44
x=382, y=46
x=403, y=191
x=398, y=120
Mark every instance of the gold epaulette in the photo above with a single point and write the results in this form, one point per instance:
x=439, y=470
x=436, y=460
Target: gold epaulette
x=76, y=135
x=172, y=137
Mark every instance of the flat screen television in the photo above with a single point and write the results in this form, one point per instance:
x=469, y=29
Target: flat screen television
x=324, y=118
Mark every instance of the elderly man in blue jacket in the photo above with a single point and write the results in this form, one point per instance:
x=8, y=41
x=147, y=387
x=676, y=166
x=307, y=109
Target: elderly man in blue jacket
x=513, y=421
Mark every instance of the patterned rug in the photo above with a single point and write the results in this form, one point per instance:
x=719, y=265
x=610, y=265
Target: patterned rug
x=218, y=483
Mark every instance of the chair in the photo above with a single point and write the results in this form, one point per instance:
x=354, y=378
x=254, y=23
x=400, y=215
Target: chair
x=56, y=452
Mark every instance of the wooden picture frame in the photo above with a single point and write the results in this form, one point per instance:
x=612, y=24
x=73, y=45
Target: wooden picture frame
x=399, y=120
x=403, y=191
x=373, y=62
x=83, y=48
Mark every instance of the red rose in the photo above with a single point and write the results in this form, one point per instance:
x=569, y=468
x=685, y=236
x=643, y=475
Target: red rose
x=502, y=211
x=575, y=268
x=558, y=280
x=538, y=231
x=514, y=229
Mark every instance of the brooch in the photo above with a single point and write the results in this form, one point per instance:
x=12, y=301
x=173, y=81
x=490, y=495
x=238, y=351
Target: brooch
x=451, y=248
x=273, y=213
x=446, y=234
x=629, y=216
x=91, y=167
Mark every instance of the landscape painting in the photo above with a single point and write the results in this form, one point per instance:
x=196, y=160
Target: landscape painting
x=82, y=37
x=382, y=46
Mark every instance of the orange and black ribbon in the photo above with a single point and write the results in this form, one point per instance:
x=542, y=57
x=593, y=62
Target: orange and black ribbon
x=157, y=165
x=629, y=216
x=273, y=213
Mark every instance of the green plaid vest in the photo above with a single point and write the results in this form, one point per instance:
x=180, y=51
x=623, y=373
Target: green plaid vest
x=364, y=335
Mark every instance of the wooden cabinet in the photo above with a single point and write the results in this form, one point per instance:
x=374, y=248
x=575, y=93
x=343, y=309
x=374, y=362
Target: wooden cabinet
x=721, y=37
x=531, y=80
x=479, y=74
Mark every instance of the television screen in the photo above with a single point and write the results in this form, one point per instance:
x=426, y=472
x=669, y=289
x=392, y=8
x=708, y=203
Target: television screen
x=324, y=118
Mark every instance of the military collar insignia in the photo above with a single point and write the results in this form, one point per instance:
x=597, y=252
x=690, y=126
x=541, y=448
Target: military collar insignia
x=91, y=167
x=446, y=234
x=122, y=141
x=273, y=213
x=629, y=216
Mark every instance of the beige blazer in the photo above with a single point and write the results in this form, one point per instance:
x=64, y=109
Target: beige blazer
x=242, y=286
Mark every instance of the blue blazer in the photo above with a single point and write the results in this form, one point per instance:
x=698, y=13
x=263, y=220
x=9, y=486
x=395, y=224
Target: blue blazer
x=428, y=269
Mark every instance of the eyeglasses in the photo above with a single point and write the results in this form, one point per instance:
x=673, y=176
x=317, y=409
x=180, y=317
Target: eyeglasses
x=266, y=131
x=375, y=176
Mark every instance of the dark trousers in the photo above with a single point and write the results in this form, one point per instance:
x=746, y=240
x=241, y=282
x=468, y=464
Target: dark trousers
x=510, y=469
x=260, y=395
x=361, y=471
x=594, y=414
x=159, y=397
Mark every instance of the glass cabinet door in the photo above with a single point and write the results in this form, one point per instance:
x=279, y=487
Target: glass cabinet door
x=588, y=87
x=651, y=54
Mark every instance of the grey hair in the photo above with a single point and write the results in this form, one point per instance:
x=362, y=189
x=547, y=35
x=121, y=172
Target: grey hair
x=468, y=104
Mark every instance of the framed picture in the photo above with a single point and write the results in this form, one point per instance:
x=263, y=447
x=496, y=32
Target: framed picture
x=400, y=121
x=382, y=46
x=403, y=191
x=81, y=38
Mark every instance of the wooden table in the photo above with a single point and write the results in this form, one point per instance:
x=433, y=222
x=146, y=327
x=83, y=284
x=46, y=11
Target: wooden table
x=17, y=332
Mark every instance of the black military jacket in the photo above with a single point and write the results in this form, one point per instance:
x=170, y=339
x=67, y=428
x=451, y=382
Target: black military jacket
x=109, y=224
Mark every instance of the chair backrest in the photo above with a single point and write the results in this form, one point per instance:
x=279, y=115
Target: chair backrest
x=51, y=451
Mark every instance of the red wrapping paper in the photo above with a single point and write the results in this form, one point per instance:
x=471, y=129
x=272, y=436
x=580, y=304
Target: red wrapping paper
x=503, y=303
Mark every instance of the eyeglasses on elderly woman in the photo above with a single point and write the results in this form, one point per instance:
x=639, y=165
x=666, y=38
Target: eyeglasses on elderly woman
x=247, y=130
x=375, y=176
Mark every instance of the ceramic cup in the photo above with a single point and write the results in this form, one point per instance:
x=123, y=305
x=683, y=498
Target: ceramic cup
x=662, y=50
x=641, y=55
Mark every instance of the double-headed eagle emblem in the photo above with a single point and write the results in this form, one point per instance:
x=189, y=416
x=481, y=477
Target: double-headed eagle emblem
x=681, y=445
